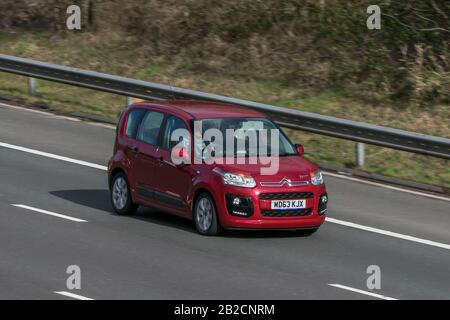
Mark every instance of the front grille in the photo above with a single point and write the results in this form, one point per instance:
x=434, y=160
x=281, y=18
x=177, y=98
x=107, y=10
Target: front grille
x=285, y=195
x=287, y=213
x=282, y=183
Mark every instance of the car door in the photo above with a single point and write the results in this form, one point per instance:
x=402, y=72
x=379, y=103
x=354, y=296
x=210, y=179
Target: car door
x=146, y=153
x=174, y=181
x=129, y=143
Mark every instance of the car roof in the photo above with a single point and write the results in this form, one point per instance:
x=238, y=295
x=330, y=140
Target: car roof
x=191, y=109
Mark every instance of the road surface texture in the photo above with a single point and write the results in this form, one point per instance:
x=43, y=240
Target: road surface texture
x=153, y=255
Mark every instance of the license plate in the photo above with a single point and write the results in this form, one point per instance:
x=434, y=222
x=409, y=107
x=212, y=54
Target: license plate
x=288, y=204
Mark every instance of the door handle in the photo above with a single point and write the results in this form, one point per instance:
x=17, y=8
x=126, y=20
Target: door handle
x=135, y=149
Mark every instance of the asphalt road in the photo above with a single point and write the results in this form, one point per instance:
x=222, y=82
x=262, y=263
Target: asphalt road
x=157, y=256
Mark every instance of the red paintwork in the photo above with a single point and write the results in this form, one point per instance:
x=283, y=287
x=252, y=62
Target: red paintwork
x=147, y=170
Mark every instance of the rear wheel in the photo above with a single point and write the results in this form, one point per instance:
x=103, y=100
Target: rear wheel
x=205, y=216
x=121, y=195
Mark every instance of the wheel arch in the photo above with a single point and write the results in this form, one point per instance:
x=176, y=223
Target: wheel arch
x=114, y=172
x=197, y=192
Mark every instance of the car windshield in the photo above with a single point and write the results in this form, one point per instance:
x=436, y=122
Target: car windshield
x=241, y=137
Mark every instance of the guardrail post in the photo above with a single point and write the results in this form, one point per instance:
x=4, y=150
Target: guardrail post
x=32, y=86
x=360, y=154
x=129, y=101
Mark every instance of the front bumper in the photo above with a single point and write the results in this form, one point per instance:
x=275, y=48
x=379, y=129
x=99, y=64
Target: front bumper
x=256, y=220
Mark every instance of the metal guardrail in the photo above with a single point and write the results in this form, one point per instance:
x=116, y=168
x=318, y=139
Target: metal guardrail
x=290, y=118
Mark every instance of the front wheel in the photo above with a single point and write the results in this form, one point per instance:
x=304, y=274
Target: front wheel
x=205, y=216
x=121, y=195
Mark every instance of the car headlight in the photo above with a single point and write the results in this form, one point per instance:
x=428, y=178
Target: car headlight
x=238, y=180
x=316, y=178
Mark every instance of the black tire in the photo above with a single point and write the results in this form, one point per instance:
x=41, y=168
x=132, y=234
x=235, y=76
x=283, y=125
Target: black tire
x=126, y=207
x=213, y=228
x=306, y=232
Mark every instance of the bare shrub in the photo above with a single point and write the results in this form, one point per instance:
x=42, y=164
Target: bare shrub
x=314, y=45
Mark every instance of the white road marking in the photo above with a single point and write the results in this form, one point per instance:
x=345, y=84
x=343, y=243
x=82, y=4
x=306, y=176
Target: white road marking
x=64, y=118
x=48, y=213
x=53, y=156
x=72, y=295
x=418, y=193
x=367, y=293
x=389, y=233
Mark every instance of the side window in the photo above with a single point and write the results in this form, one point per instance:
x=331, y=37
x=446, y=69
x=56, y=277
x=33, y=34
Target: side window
x=134, y=119
x=149, y=129
x=172, y=124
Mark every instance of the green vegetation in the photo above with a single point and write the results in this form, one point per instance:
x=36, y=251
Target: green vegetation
x=296, y=54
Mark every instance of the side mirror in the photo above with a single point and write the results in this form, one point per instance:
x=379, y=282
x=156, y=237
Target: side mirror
x=300, y=149
x=180, y=156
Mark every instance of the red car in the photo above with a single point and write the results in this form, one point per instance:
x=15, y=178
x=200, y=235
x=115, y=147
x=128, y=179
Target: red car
x=151, y=168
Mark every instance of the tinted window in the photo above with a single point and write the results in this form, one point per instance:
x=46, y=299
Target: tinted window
x=134, y=119
x=149, y=129
x=172, y=124
x=242, y=143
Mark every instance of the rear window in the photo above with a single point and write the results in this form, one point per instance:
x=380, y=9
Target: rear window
x=134, y=119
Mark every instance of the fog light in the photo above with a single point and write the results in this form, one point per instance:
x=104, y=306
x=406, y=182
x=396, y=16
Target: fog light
x=239, y=205
x=323, y=203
